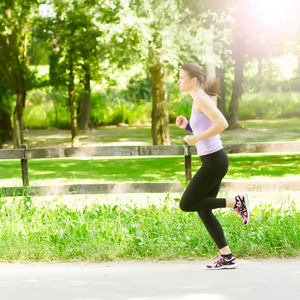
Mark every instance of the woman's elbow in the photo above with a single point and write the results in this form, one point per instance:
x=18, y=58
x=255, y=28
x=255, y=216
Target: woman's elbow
x=223, y=125
x=226, y=125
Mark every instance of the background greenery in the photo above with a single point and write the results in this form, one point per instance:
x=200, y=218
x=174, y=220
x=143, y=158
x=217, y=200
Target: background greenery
x=48, y=56
x=119, y=107
x=100, y=49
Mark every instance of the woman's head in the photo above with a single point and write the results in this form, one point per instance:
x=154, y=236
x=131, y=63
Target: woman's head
x=191, y=75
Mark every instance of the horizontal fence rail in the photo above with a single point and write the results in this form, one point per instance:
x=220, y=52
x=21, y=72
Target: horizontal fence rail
x=176, y=150
x=37, y=153
x=186, y=151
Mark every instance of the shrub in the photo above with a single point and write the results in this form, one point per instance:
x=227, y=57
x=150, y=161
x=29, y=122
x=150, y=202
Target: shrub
x=269, y=106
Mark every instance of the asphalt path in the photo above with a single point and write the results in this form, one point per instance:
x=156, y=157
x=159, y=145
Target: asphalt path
x=176, y=280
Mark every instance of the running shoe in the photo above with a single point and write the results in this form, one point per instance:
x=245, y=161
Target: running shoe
x=242, y=208
x=223, y=263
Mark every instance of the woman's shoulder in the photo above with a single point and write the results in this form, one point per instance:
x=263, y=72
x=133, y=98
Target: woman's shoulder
x=201, y=97
x=202, y=100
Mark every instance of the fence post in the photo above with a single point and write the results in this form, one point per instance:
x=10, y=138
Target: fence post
x=187, y=162
x=24, y=167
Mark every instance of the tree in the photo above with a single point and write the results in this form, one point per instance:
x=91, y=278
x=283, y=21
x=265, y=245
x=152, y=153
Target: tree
x=84, y=35
x=72, y=34
x=14, y=36
x=160, y=117
x=248, y=30
x=156, y=65
x=5, y=112
x=159, y=21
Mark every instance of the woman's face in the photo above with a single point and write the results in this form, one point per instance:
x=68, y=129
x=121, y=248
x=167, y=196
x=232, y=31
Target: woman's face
x=185, y=82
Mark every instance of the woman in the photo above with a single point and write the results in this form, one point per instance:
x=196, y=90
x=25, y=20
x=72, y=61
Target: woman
x=206, y=123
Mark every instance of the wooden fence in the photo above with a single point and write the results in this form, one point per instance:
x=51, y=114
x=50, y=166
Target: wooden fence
x=186, y=151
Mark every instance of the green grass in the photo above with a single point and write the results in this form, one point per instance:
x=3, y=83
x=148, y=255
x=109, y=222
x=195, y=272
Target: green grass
x=144, y=169
x=278, y=130
x=249, y=166
x=55, y=232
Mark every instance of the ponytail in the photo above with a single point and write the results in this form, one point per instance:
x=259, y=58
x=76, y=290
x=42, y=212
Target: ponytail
x=210, y=85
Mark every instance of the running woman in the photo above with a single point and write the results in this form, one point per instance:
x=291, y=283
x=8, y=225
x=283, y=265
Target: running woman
x=206, y=123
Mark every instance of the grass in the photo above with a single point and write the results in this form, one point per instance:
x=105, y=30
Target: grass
x=56, y=232
x=145, y=169
x=278, y=130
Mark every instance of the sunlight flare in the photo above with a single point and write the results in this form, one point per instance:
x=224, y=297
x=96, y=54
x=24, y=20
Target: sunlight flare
x=275, y=12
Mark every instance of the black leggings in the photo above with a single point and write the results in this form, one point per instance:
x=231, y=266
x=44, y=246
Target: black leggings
x=201, y=193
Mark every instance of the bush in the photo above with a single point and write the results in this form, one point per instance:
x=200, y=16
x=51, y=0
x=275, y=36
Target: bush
x=50, y=109
x=119, y=112
x=269, y=106
x=46, y=109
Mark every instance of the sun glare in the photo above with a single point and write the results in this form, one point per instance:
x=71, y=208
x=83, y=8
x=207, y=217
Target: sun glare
x=275, y=12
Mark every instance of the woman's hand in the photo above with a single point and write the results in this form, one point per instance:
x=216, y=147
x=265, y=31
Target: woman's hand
x=190, y=139
x=181, y=122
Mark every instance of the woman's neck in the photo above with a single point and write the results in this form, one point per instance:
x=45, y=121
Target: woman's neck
x=195, y=90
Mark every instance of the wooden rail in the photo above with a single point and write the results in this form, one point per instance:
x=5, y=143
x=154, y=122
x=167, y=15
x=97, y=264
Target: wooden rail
x=25, y=154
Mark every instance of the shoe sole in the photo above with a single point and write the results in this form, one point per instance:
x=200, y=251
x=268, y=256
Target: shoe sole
x=233, y=266
x=247, y=207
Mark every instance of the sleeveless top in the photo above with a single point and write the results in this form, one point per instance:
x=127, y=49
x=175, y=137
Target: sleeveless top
x=199, y=122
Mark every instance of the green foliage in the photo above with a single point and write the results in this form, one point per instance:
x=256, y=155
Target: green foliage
x=270, y=106
x=114, y=108
x=57, y=232
x=46, y=109
x=139, y=90
x=15, y=18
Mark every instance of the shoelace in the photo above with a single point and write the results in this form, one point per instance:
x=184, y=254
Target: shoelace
x=219, y=260
x=243, y=210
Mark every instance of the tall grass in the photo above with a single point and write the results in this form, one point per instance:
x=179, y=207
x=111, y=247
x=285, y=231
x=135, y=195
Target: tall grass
x=96, y=232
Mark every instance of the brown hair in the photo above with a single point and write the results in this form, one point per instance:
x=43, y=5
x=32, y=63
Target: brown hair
x=210, y=85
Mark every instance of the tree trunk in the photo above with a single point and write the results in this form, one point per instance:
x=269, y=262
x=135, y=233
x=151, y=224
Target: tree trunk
x=84, y=110
x=53, y=65
x=18, y=120
x=160, y=115
x=222, y=92
x=237, y=89
x=73, y=110
x=5, y=127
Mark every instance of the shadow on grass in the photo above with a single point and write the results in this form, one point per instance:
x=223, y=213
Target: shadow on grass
x=153, y=169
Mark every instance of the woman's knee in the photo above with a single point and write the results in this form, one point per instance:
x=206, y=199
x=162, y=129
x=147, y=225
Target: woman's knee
x=183, y=205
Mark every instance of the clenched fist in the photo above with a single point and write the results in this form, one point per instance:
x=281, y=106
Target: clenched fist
x=181, y=122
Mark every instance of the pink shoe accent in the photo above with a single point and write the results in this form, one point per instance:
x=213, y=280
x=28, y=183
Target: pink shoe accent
x=223, y=263
x=243, y=207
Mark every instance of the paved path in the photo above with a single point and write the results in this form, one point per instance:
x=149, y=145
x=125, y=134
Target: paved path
x=180, y=280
